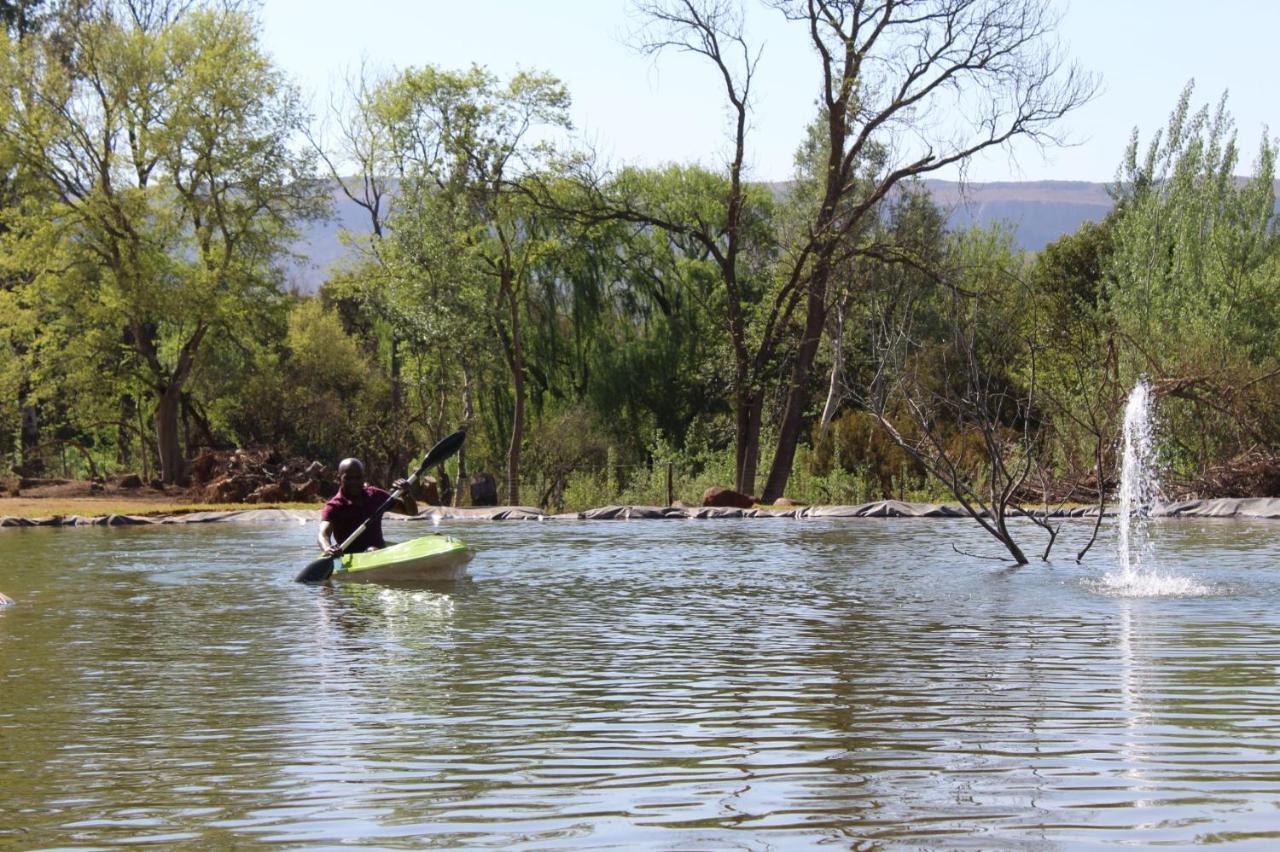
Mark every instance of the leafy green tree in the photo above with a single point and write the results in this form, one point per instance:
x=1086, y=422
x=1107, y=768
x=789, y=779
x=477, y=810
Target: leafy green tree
x=22, y=21
x=1078, y=364
x=321, y=394
x=1192, y=285
x=463, y=142
x=725, y=234
x=165, y=143
x=629, y=319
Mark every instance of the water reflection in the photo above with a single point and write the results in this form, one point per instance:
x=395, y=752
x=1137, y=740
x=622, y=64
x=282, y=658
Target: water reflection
x=647, y=684
x=389, y=608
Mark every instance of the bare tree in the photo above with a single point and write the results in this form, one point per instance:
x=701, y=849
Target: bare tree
x=930, y=83
x=907, y=87
x=361, y=158
x=713, y=30
x=955, y=363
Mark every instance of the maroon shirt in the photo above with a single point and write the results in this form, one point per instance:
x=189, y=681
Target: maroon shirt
x=346, y=514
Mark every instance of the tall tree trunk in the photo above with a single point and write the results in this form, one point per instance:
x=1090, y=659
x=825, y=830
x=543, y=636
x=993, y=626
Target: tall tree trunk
x=29, y=440
x=169, y=446
x=1006, y=538
x=835, y=393
x=395, y=454
x=199, y=430
x=744, y=460
x=468, y=414
x=143, y=450
x=517, y=415
x=517, y=437
x=124, y=440
x=748, y=443
x=169, y=383
x=798, y=392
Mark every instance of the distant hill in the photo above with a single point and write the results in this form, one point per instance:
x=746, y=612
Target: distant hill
x=319, y=247
x=1038, y=212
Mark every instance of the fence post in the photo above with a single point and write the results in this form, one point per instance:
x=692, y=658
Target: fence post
x=670, y=486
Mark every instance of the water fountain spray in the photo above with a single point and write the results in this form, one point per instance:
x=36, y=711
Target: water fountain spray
x=1139, y=491
x=1138, y=483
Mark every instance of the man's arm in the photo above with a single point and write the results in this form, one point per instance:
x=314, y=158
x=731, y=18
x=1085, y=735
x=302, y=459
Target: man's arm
x=323, y=538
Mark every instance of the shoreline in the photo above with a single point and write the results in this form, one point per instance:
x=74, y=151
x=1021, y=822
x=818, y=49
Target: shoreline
x=1257, y=508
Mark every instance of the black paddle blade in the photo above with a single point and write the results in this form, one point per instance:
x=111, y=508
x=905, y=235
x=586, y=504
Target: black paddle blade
x=318, y=571
x=443, y=449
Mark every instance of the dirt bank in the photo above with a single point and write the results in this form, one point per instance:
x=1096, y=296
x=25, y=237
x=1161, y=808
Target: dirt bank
x=225, y=481
x=138, y=504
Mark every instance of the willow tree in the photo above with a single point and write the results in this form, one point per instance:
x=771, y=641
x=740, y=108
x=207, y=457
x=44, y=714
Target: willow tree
x=627, y=317
x=720, y=215
x=724, y=230
x=165, y=143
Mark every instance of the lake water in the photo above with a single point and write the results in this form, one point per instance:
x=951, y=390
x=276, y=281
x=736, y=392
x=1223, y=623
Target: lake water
x=647, y=684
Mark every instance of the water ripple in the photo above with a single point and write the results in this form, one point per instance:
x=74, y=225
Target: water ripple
x=640, y=684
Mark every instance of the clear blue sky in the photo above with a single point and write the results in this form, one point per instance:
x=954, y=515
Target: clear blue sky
x=636, y=110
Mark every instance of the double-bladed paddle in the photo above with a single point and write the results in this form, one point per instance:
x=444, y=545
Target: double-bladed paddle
x=319, y=570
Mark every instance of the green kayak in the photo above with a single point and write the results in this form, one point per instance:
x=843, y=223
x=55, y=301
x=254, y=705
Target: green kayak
x=432, y=557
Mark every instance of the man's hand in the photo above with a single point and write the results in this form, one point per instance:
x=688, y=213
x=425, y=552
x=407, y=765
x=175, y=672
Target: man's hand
x=405, y=504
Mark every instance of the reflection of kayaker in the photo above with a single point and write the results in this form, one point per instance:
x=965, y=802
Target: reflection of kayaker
x=355, y=503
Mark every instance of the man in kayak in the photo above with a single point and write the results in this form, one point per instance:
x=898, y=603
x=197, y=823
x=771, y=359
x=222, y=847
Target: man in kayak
x=355, y=502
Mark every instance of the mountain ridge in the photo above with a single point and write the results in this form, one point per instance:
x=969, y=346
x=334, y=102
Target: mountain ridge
x=1037, y=212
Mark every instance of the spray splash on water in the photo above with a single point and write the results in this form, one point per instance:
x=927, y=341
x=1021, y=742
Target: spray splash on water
x=1139, y=489
x=1138, y=483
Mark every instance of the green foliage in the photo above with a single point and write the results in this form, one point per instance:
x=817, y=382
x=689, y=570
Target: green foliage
x=164, y=182
x=1078, y=365
x=644, y=483
x=591, y=333
x=1193, y=248
x=451, y=272
x=1192, y=285
x=321, y=395
x=560, y=446
x=856, y=461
